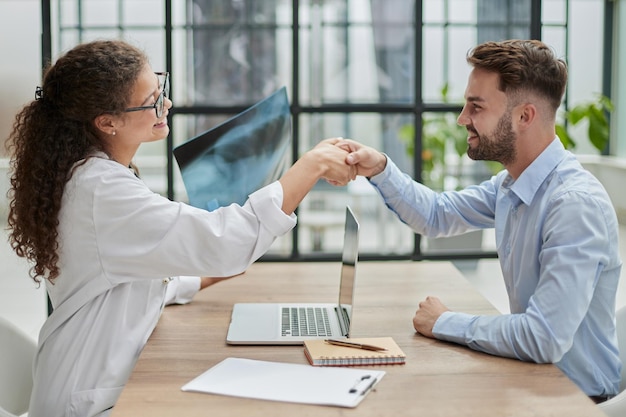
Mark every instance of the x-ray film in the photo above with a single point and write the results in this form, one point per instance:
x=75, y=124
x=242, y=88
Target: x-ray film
x=232, y=160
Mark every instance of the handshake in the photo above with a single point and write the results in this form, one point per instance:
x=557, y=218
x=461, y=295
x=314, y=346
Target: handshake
x=341, y=160
x=336, y=160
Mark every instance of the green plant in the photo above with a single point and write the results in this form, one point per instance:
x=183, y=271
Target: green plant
x=596, y=114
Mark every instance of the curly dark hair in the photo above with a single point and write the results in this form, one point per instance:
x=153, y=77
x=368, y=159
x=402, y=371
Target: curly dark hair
x=54, y=133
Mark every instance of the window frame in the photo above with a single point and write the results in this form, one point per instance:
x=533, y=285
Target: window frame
x=415, y=109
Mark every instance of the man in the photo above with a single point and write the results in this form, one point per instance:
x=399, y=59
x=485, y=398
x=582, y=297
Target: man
x=556, y=229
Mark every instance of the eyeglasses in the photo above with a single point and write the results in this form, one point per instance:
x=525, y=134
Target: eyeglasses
x=164, y=80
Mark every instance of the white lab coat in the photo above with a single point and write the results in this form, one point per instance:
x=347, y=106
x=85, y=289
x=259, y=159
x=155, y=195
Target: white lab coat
x=118, y=244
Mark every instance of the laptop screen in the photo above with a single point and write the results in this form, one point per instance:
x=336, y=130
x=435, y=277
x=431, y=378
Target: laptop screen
x=230, y=161
x=349, y=260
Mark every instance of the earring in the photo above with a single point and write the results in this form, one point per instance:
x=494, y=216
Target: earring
x=114, y=133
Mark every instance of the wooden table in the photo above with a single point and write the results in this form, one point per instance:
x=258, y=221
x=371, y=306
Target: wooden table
x=439, y=378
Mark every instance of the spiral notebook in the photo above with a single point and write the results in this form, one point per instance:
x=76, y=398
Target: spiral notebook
x=320, y=353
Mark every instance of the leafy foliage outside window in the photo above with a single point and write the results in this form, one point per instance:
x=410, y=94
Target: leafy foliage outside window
x=596, y=114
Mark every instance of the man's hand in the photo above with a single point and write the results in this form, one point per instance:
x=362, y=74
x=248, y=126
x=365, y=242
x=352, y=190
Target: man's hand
x=427, y=314
x=368, y=161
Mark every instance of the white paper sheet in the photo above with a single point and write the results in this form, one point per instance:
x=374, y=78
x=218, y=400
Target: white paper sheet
x=275, y=381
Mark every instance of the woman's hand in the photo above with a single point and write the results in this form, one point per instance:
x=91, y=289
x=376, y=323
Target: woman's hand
x=324, y=161
x=331, y=159
x=208, y=281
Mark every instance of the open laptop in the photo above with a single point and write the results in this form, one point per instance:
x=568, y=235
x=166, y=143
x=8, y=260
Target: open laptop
x=293, y=323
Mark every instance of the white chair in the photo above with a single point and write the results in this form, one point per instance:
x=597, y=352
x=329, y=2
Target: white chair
x=17, y=351
x=616, y=406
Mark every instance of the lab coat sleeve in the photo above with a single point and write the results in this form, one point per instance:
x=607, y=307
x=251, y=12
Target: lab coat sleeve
x=142, y=235
x=180, y=290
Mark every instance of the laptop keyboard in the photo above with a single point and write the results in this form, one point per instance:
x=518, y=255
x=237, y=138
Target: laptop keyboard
x=305, y=321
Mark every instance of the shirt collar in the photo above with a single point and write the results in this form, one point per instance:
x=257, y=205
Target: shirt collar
x=526, y=186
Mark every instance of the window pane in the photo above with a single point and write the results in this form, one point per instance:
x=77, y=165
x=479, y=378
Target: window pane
x=433, y=11
x=152, y=164
x=68, y=12
x=497, y=20
x=143, y=12
x=100, y=13
x=381, y=131
x=520, y=13
x=462, y=11
x=585, y=55
x=394, y=48
x=180, y=10
x=235, y=52
x=181, y=72
x=462, y=39
x=554, y=12
x=67, y=39
x=444, y=63
x=322, y=213
x=434, y=67
x=366, y=57
x=555, y=37
x=152, y=42
x=88, y=35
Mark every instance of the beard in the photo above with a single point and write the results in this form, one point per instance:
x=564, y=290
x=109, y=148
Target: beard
x=497, y=146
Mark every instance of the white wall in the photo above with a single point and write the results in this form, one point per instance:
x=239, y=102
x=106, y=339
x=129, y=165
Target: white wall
x=20, y=69
x=20, y=66
x=21, y=302
x=610, y=171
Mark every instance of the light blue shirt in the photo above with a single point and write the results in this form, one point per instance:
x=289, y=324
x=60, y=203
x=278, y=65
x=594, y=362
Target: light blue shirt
x=557, y=242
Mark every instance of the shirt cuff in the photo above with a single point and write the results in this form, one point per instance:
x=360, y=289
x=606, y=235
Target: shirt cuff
x=384, y=174
x=180, y=290
x=452, y=327
x=267, y=205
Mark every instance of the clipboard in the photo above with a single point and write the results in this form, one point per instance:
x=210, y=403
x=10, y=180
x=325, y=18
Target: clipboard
x=287, y=382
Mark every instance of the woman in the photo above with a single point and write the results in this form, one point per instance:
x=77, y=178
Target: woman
x=103, y=243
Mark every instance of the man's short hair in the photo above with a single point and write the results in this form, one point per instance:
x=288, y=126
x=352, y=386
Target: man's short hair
x=523, y=66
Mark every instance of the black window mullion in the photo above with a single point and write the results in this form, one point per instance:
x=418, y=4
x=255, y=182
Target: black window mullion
x=169, y=142
x=418, y=25
x=295, y=105
x=535, y=19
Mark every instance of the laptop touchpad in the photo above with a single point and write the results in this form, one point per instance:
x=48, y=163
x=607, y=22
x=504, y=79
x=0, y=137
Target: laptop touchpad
x=254, y=322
